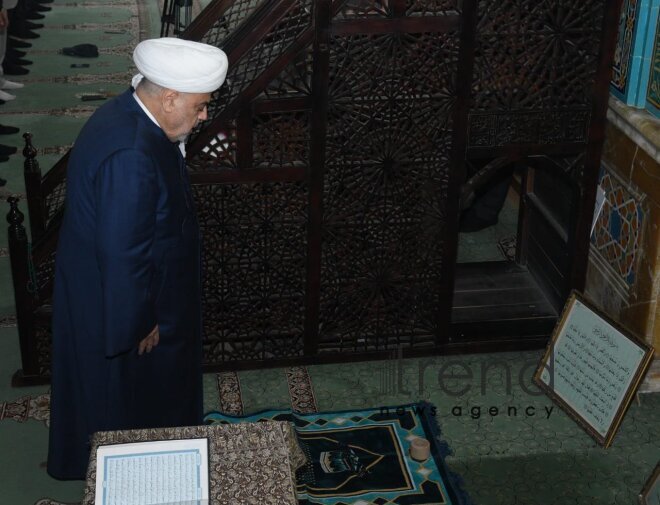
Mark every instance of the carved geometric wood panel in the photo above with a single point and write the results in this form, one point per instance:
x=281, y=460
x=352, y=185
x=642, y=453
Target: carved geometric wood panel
x=385, y=190
x=534, y=70
x=254, y=269
x=238, y=11
x=281, y=139
x=257, y=59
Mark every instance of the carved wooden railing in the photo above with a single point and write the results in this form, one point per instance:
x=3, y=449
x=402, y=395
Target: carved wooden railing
x=330, y=173
x=33, y=262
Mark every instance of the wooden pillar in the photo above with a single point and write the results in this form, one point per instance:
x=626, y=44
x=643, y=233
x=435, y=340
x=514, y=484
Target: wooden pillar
x=316, y=169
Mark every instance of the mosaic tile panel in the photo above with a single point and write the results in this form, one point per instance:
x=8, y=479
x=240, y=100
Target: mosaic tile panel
x=653, y=95
x=633, y=56
x=624, y=45
x=618, y=231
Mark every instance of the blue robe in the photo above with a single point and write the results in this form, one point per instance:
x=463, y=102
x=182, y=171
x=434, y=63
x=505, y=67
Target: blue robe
x=127, y=259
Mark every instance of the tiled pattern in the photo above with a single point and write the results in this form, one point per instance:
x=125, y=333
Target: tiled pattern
x=653, y=93
x=633, y=55
x=622, y=54
x=617, y=234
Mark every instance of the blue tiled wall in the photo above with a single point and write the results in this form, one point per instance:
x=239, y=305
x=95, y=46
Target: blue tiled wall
x=634, y=50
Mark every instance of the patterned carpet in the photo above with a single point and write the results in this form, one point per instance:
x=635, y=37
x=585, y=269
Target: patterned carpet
x=27, y=407
x=228, y=394
x=363, y=456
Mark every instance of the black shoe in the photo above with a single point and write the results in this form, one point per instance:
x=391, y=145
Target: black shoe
x=8, y=130
x=2, y=182
x=34, y=16
x=22, y=33
x=44, y=1
x=19, y=61
x=471, y=223
x=18, y=44
x=14, y=53
x=32, y=26
x=7, y=150
x=11, y=69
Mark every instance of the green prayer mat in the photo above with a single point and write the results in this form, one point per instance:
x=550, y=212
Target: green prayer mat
x=361, y=457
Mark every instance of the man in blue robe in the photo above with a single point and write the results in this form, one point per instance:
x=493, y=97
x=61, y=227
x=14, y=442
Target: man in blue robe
x=126, y=306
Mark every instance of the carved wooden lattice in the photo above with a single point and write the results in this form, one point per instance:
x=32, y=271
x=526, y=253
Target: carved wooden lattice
x=252, y=63
x=534, y=71
x=281, y=139
x=254, y=265
x=294, y=80
x=387, y=150
x=237, y=12
x=44, y=273
x=55, y=201
x=431, y=7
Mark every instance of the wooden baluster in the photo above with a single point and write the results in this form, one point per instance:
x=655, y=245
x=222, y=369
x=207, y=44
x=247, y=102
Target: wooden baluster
x=20, y=270
x=35, y=198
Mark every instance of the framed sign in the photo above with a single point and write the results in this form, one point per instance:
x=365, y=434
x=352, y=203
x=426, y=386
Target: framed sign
x=592, y=367
x=650, y=495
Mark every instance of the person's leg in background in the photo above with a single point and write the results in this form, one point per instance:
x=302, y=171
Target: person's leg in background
x=5, y=151
x=486, y=208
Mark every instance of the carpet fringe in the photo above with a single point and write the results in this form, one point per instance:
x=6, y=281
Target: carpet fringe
x=443, y=449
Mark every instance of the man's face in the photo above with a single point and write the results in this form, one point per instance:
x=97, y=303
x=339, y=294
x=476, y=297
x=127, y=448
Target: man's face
x=188, y=110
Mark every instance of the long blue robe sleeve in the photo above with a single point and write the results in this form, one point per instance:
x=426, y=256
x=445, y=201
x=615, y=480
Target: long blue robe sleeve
x=126, y=196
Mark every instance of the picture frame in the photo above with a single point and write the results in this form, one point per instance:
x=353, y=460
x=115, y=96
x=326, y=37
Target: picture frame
x=592, y=367
x=650, y=494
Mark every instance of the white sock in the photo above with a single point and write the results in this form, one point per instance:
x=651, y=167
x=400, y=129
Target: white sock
x=6, y=96
x=6, y=84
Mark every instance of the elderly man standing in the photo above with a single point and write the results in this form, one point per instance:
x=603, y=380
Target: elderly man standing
x=126, y=307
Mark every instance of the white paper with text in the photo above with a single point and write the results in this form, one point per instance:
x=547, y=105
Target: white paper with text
x=150, y=473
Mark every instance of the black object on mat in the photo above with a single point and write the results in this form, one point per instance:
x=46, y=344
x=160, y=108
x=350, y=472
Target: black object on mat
x=81, y=50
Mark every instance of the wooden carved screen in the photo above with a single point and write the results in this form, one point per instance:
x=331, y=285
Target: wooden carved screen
x=388, y=142
x=329, y=173
x=252, y=190
x=324, y=203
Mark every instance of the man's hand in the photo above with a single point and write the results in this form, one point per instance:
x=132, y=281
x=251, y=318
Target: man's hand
x=4, y=19
x=149, y=342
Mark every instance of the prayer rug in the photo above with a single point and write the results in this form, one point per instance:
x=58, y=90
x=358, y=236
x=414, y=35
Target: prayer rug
x=27, y=407
x=361, y=457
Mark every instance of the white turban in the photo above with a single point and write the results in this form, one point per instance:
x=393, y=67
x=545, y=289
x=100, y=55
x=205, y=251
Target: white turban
x=181, y=65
